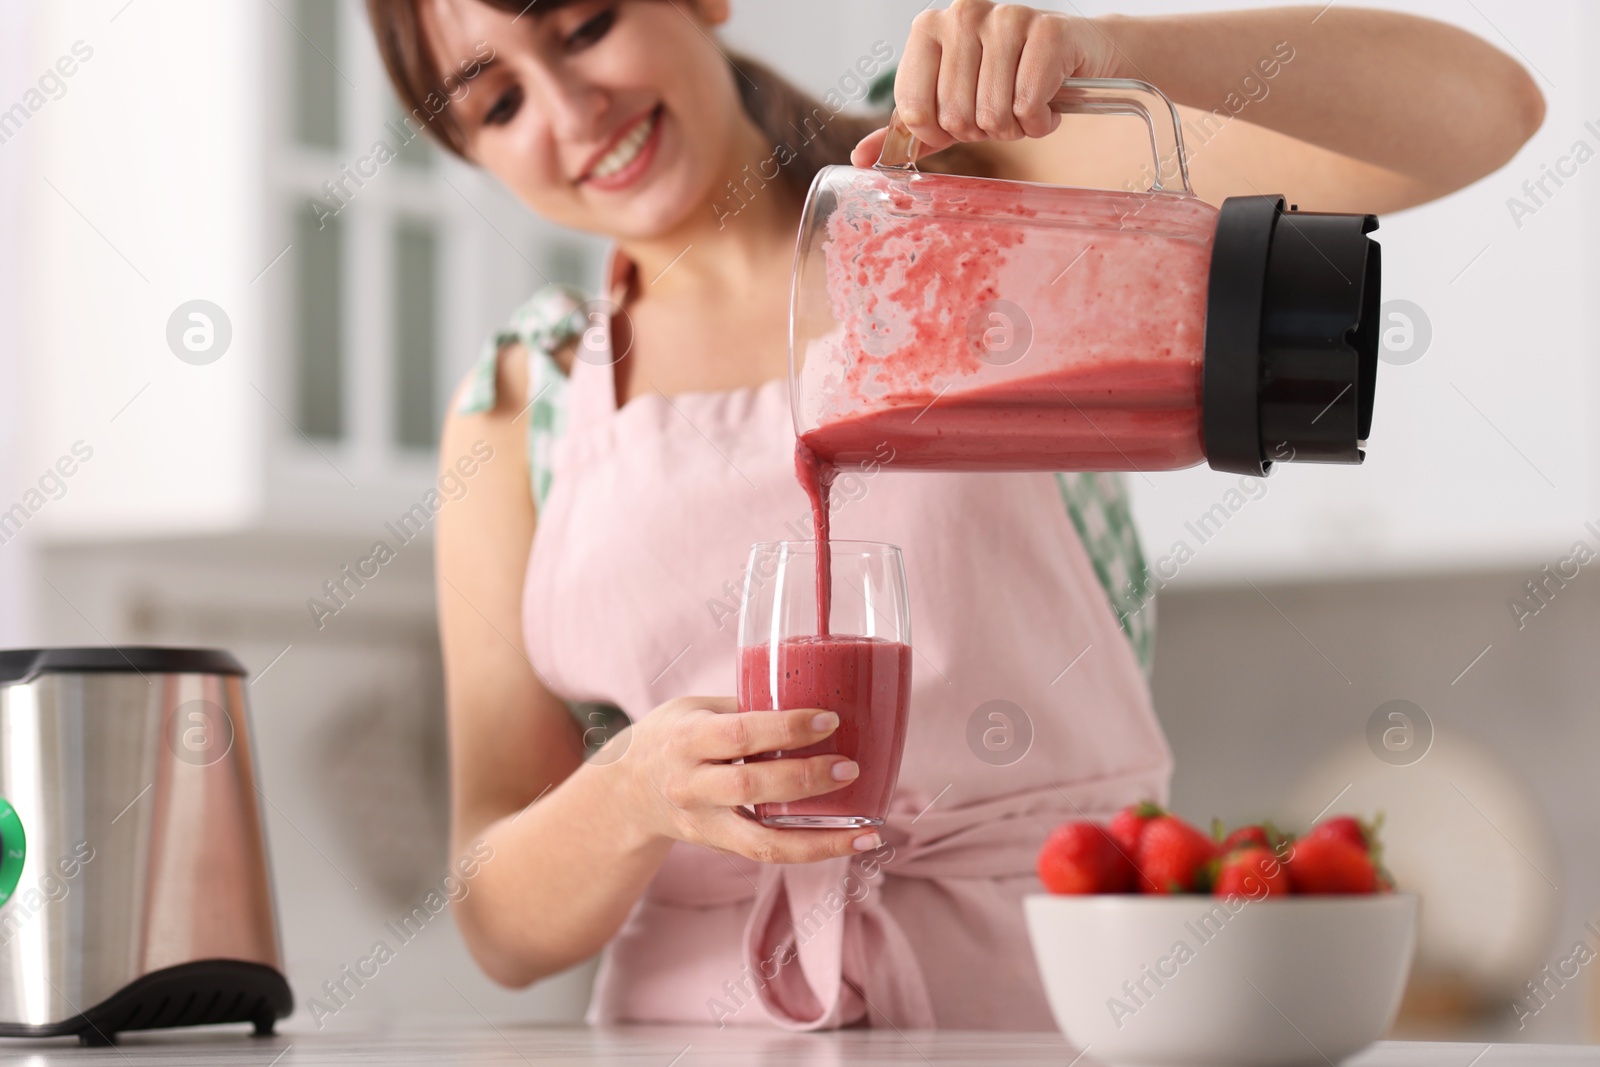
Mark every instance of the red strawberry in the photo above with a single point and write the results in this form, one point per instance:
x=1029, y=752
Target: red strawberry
x=1346, y=828
x=1127, y=825
x=1174, y=857
x=1246, y=835
x=1252, y=872
x=1080, y=857
x=1331, y=864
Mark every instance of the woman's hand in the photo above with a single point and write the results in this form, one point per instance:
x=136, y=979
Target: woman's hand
x=979, y=71
x=682, y=785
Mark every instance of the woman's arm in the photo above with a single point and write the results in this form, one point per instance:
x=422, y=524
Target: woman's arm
x=1341, y=109
x=511, y=741
x=574, y=843
x=1388, y=109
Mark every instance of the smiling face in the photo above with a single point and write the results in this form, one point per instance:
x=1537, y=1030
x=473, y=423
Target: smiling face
x=618, y=117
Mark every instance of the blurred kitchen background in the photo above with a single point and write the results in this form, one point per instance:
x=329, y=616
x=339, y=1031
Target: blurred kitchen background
x=1346, y=637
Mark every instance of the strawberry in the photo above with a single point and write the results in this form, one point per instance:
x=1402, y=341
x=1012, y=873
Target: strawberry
x=1346, y=828
x=1246, y=836
x=1127, y=825
x=1253, y=872
x=1329, y=863
x=1364, y=835
x=1080, y=857
x=1174, y=857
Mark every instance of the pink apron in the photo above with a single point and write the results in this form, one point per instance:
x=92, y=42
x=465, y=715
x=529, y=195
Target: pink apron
x=632, y=598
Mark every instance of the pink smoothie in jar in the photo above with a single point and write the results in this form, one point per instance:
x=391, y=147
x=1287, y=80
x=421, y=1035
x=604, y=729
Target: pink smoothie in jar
x=986, y=325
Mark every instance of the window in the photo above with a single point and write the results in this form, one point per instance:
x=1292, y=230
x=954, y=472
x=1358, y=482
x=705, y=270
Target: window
x=319, y=324
x=396, y=260
x=365, y=242
x=418, y=153
x=317, y=239
x=316, y=106
x=415, y=284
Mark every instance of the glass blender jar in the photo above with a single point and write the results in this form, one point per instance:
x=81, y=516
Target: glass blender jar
x=977, y=324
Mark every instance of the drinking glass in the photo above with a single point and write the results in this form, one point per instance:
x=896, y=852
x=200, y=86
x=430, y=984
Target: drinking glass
x=858, y=666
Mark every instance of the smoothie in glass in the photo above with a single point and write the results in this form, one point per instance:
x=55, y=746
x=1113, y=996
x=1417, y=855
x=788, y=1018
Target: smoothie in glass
x=866, y=681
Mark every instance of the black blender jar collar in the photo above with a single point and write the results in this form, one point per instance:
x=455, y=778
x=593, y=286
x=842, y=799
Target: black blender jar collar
x=1291, y=340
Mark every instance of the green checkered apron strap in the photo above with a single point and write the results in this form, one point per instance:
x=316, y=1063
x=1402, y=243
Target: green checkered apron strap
x=1098, y=505
x=542, y=325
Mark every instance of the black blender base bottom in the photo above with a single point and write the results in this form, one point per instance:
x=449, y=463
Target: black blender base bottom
x=191, y=994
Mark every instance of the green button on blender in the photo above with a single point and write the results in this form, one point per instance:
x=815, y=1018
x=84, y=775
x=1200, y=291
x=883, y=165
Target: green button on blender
x=13, y=850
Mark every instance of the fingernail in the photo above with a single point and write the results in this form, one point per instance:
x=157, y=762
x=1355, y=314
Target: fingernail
x=845, y=770
x=867, y=841
x=824, y=722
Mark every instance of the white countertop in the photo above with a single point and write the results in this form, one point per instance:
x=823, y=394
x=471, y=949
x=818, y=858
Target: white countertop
x=687, y=1046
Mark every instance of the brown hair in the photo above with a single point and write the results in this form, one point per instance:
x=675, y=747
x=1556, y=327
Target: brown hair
x=813, y=133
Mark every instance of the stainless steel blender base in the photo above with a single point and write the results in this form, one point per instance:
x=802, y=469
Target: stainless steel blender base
x=135, y=892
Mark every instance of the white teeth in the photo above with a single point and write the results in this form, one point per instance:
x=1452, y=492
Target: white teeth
x=627, y=149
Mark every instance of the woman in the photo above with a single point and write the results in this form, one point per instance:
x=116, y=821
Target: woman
x=649, y=452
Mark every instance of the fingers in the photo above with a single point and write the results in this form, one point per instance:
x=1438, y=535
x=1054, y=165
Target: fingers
x=978, y=70
x=867, y=152
x=751, y=733
x=702, y=799
x=730, y=785
x=732, y=829
x=997, y=83
x=916, y=83
x=960, y=63
x=1037, y=80
x=750, y=839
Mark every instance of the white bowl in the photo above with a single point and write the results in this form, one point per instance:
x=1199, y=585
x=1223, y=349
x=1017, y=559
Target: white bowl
x=1191, y=981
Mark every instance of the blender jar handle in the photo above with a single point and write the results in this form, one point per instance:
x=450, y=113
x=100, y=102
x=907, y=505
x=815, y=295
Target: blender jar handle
x=1086, y=96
